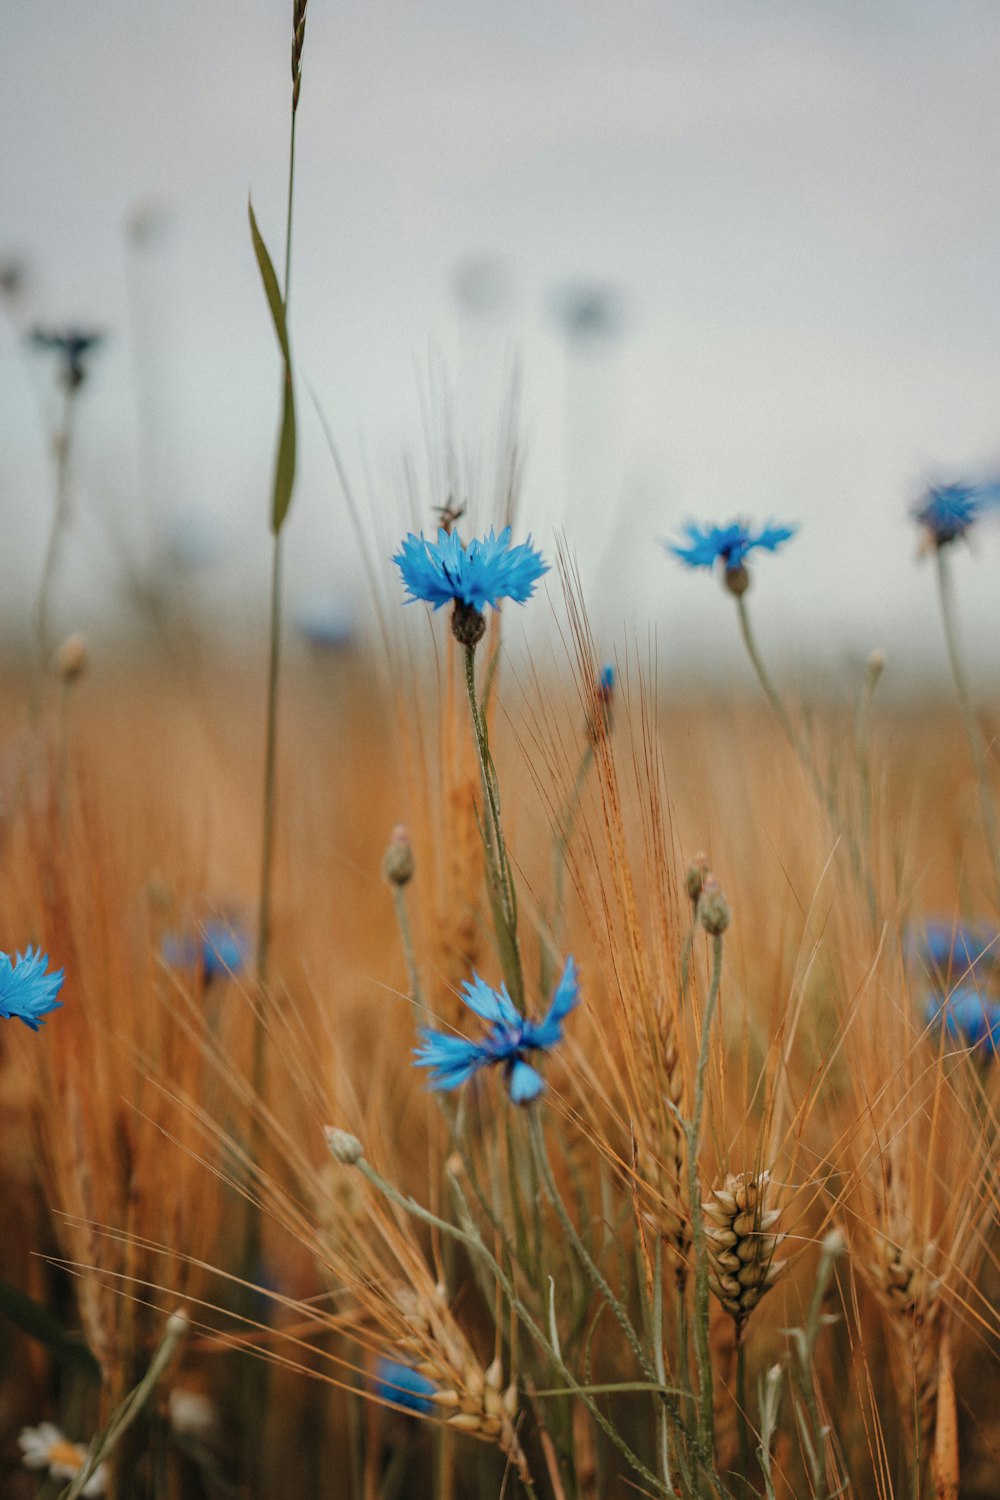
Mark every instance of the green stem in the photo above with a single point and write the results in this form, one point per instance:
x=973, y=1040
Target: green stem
x=706, y=1416
x=471, y=1238
x=593, y=1271
x=661, y=1368
x=567, y=821
x=972, y=733
x=799, y=745
x=409, y=952
x=741, y=1408
x=255, y=1380
x=124, y=1415
x=502, y=884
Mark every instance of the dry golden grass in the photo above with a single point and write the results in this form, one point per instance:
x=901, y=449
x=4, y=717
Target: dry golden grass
x=133, y=1112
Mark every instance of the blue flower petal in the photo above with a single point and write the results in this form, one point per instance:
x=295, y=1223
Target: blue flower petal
x=730, y=545
x=452, y=1059
x=485, y=572
x=524, y=1084
x=27, y=992
x=547, y=1032
x=404, y=1386
x=494, y=1006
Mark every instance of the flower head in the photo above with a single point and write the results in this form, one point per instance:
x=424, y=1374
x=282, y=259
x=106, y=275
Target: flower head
x=948, y=950
x=488, y=570
x=729, y=545
x=46, y=1447
x=73, y=345
x=967, y=1018
x=947, y=511
x=404, y=1386
x=453, y=1059
x=26, y=990
x=220, y=949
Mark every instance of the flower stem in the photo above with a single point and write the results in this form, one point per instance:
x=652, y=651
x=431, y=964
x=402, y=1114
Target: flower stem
x=409, y=952
x=503, y=894
x=972, y=732
x=567, y=820
x=706, y=1419
x=470, y=1237
x=799, y=745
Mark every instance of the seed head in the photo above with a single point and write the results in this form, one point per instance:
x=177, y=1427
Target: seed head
x=713, y=908
x=343, y=1146
x=398, y=863
x=694, y=879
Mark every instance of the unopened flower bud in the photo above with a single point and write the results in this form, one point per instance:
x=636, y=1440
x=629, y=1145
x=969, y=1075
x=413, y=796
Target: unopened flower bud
x=467, y=624
x=713, y=908
x=876, y=665
x=343, y=1146
x=398, y=862
x=71, y=658
x=737, y=580
x=694, y=878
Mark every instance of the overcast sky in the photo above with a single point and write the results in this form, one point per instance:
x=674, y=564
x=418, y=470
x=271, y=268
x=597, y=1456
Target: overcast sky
x=799, y=203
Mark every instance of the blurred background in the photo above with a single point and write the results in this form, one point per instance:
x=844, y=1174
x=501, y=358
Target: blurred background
x=742, y=260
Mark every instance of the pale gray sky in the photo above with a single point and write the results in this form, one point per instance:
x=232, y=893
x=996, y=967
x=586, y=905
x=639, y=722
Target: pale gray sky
x=799, y=201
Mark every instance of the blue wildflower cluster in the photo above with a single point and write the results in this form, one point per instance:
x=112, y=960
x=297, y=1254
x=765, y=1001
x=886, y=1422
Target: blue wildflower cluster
x=967, y=1018
x=729, y=545
x=453, y=1059
x=27, y=992
x=957, y=963
x=484, y=572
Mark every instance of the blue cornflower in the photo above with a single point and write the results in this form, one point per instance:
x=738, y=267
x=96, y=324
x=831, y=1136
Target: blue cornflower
x=453, y=1059
x=947, y=511
x=73, y=345
x=488, y=570
x=950, y=949
x=729, y=545
x=968, y=1018
x=404, y=1386
x=220, y=949
x=26, y=990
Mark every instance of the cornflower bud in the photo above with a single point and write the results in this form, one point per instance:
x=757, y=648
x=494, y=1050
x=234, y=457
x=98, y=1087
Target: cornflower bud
x=398, y=863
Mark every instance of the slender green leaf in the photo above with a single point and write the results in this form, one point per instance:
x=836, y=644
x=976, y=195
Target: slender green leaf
x=40, y=1324
x=284, y=463
x=271, y=289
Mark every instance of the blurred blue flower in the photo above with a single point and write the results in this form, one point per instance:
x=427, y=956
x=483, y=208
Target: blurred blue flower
x=73, y=345
x=947, y=511
x=326, y=624
x=731, y=545
x=404, y=1386
x=606, y=681
x=485, y=572
x=967, y=1018
x=27, y=992
x=219, y=949
x=950, y=950
x=453, y=1059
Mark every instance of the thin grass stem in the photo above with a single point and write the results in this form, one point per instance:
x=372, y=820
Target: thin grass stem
x=977, y=744
x=706, y=1419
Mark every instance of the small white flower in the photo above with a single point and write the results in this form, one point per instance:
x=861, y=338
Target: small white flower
x=193, y=1415
x=46, y=1447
